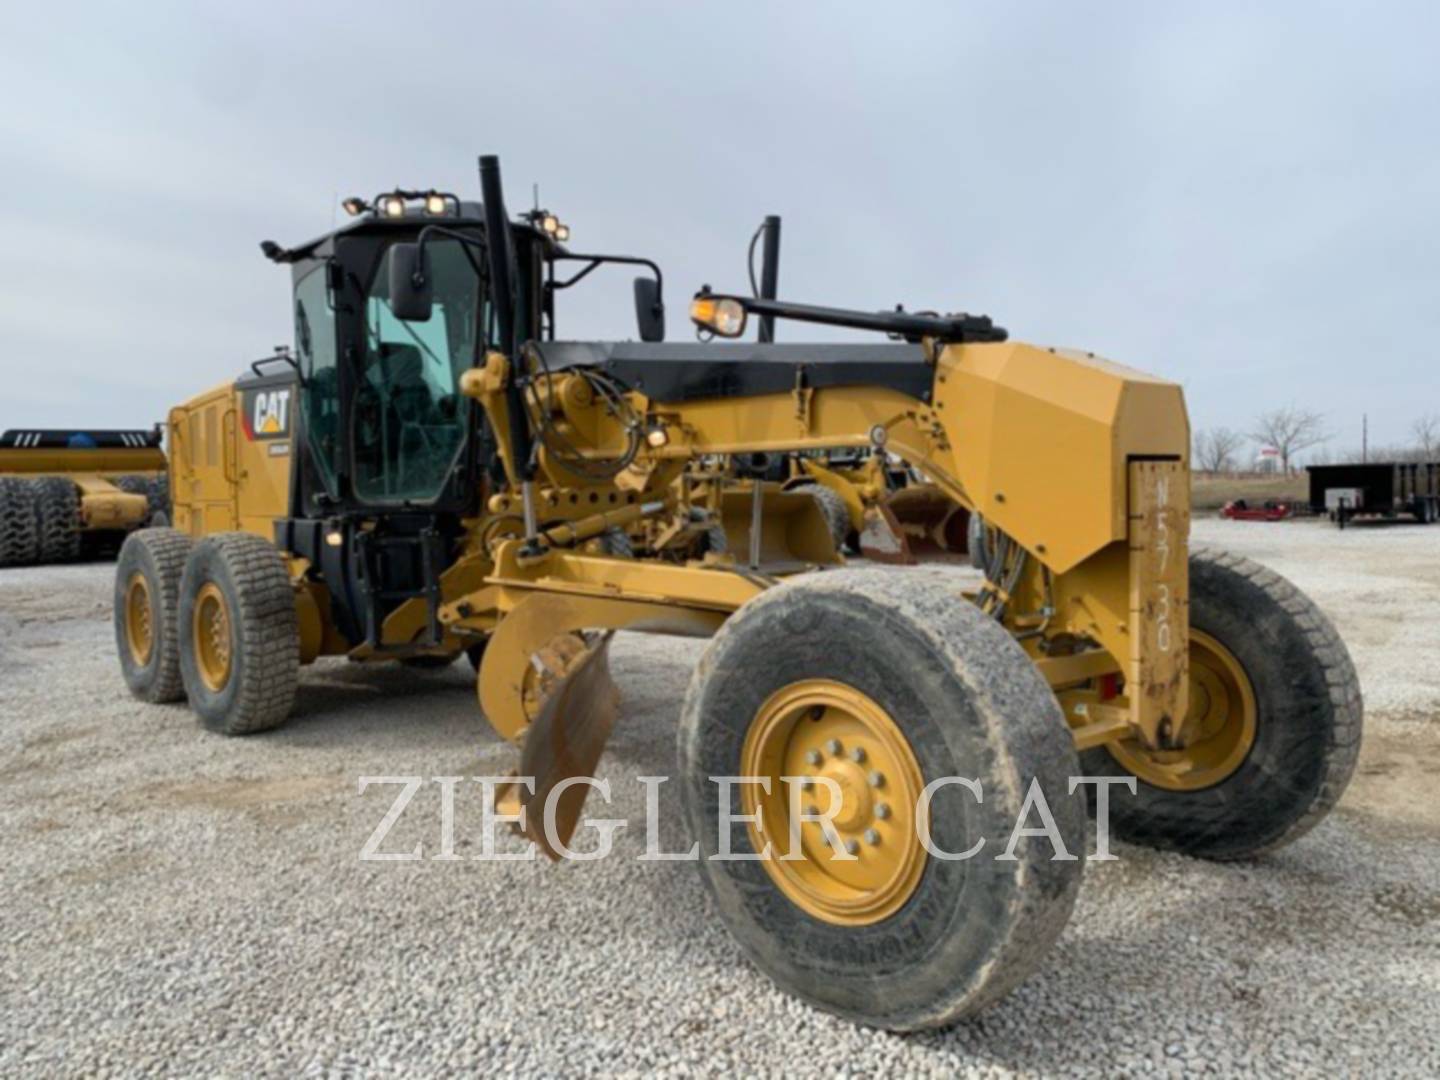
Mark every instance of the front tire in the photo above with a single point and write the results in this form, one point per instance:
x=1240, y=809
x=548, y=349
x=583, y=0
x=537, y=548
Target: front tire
x=1275, y=667
x=239, y=634
x=907, y=672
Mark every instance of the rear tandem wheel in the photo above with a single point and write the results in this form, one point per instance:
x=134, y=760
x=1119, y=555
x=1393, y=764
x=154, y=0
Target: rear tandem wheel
x=239, y=634
x=146, y=606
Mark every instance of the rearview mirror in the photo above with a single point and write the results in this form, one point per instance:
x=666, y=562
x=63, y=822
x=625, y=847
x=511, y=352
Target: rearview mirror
x=411, y=292
x=649, y=309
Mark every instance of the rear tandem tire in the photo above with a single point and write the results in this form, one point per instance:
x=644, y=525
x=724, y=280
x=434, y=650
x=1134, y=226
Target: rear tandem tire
x=57, y=513
x=1307, y=712
x=960, y=699
x=19, y=536
x=239, y=634
x=147, y=602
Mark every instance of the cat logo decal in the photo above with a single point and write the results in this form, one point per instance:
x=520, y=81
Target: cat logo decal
x=267, y=414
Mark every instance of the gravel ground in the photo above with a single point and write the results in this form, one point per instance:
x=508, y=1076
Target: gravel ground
x=175, y=902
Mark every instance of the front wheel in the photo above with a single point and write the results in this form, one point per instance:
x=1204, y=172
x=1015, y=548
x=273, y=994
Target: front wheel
x=880, y=684
x=1275, y=717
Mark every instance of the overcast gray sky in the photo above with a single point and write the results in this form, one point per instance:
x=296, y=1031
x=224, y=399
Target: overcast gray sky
x=1241, y=198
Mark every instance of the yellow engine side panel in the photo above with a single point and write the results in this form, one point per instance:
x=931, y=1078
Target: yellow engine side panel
x=1041, y=441
x=262, y=438
x=230, y=460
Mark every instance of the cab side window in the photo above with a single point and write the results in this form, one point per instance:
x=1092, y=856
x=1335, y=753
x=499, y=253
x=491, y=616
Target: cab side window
x=408, y=419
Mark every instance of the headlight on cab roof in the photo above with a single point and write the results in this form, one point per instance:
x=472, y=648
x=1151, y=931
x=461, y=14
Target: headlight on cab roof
x=723, y=316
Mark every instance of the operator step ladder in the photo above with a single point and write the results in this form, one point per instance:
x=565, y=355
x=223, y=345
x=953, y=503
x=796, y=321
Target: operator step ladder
x=387, y=561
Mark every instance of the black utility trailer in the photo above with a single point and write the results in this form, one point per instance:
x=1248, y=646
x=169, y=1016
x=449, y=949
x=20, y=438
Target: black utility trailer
x=1380, y=490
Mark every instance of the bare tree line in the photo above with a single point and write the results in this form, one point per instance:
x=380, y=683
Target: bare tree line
x=1291, y=431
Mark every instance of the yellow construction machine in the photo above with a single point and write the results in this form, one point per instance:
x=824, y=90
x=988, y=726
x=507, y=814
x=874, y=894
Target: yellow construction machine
x=434, y=471
x=63, y=493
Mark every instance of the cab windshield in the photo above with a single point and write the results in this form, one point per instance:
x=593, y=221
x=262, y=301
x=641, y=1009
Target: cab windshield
x=409, y=425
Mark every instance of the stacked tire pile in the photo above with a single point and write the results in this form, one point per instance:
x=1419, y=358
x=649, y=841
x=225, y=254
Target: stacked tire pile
x=40, y=516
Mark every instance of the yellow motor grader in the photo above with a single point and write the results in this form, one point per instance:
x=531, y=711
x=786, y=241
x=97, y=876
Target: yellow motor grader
x=63, y=492
x=435, y=471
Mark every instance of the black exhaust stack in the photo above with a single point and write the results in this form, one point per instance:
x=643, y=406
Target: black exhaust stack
x=500, y=254
x=769, y=271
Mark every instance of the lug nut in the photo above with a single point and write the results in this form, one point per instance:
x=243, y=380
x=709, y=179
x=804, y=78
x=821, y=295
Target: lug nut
x=833, y=746
x=877, y=779
x=872, y=837
x=882, y=810
x=857, y=755
x=813, y=757
x=851, y=847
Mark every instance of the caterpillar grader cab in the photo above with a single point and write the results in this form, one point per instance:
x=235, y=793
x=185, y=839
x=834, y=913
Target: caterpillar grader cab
x=434, y=470
x=68, y=493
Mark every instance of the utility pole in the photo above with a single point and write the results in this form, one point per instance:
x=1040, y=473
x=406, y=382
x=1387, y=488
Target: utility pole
x=1364, y=438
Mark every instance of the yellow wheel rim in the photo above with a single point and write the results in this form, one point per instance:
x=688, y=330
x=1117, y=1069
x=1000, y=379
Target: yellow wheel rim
x=817, y=729
x=1220, y=725
x=139, y=629
x=210, y=628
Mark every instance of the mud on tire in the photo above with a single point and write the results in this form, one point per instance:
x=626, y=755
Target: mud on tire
x=1308, y=720
x=260, y=631
x=969, y=704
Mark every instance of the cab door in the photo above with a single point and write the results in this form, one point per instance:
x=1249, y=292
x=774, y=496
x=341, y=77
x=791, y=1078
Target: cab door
x=315, y=428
